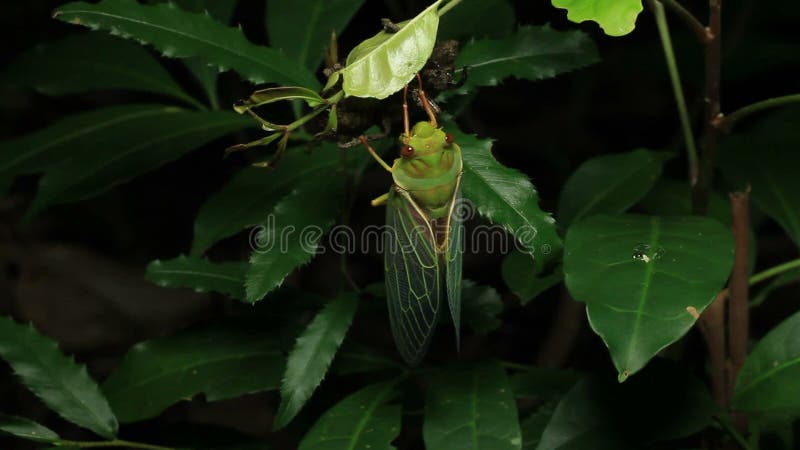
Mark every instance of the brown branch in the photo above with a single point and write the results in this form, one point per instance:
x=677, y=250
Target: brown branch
x=689, y=19
x=564, y=333
x=739, y=305
x=712, y=325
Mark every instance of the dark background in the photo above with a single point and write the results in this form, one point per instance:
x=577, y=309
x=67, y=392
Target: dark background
x=76, y=272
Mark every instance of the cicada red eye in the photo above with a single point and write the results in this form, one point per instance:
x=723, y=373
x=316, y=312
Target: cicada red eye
x=407, y=151
x=449, y=138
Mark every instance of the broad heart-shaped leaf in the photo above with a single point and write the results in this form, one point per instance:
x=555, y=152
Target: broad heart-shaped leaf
x=182, y=34
x=90, y=61
x=609, y=184
x=477, y=19
x=765, y=158
x=522, y=274
x=530, y=53
x=664, y=402
x=471, y=408
x=505, y=197
x=199, y=274
x=363, y=420
x=124, y=152
x=616, y=17
x=312, y=354
x=640, y=275
x=62, y=384
x=480, y=307
x=26, y=428
x=384, y=63
x=79, y=133
x=250, y=196
x=302, y=29
x=769, y=381
x=220, y=362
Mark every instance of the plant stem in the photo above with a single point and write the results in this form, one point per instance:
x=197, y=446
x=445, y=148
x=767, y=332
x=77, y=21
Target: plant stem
x=688, y=18
x=701, y=189
x=680, y=100
x=731, y=119
x=739, y=308
x=774, y=271
x=450, y=5
x=113, y=443
x=712, y=325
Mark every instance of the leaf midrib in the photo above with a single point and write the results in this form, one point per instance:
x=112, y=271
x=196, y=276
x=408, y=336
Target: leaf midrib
x=767, y=374
x=197, y=273
x=362, y=423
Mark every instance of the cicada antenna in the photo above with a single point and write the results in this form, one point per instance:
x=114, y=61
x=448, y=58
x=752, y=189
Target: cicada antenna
x=425, y=103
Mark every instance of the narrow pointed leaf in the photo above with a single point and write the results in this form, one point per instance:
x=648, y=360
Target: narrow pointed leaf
x=615, y=17
x=640, y=275
x=312, y=355
x=91, y=61
x=471, y=409
x=75, y=134
x=363, y=420
x=609, y=184
x=220, y=362
x=530, y=53
x=61, y=383
x=769, y=381
x=384, y=63
x=125, y=152
x=25, y=428
x=477, y=19
x=199, y=274
x=182, y=34
x=302, y=29
x=506, y=197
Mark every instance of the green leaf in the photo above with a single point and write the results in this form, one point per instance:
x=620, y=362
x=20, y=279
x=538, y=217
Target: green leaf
x=765, y=158
x=544, y=382
x=302, y=29
x=609, y=184
x=356, y=358
x=615, y=17
x=363, y=420
x=477, y=19
x=663, y=403
x=505, y=197
x=79, y=133
x=471, y=408
x=25, y=428
x=250, y=196
x=272, y=95
x=199, y=274
x=381, y=65
x=312, y=354
x=62, y=384
x=91, y=61
x=480, y=307
x=784, y=279
x=181, y=34
x=530, y=53
x=221, y=362
x=522, y=274
x=534, y=425
x=123, y=152
x=641, y=275
x=769, y=381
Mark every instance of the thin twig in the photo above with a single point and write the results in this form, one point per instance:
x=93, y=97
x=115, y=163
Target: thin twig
x=450, y=5
x=677, y=88
x=689, y=19
x=731, y=119
x=774, y=271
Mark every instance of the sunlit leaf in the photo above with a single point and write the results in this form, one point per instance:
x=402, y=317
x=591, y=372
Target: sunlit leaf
x=615, y=17
x=199, y=274
x=384, y=63
x=644, y=278
x=61, y=383
x=220, y=362
x=312, y=354
x=471, y=409
x=182, y=34
x=363, y=420
x=530, y=53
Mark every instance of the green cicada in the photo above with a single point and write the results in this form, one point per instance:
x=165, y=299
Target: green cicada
x=424, y=234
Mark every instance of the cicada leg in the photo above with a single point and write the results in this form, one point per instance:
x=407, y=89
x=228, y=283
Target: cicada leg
x=374, y=154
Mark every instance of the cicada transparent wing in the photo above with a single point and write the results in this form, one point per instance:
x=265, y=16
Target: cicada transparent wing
x=413, y=278
x=453, y=253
